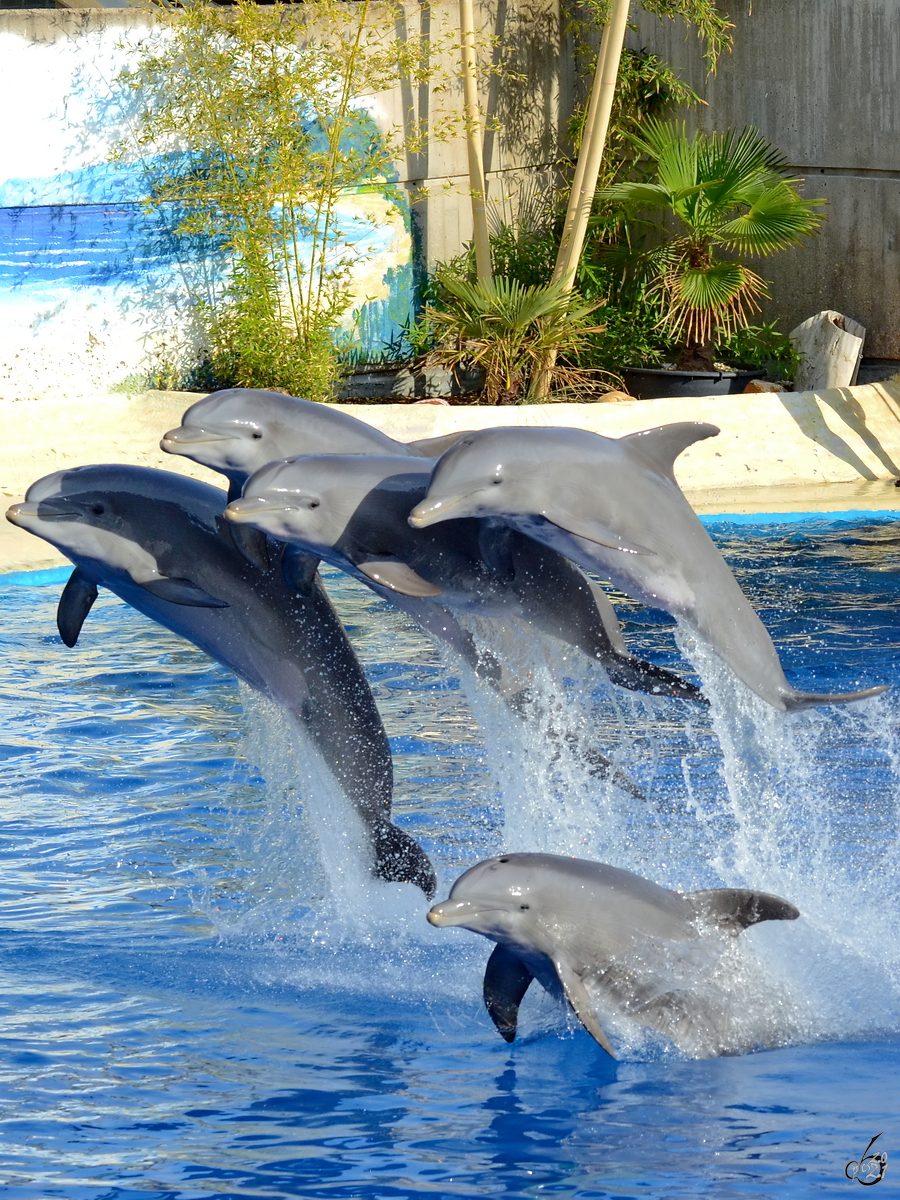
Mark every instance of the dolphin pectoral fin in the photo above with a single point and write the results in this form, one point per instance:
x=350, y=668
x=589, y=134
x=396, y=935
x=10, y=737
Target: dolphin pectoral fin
x=398, y=577
x=180, y=591
x=251, y=542
x=580, y=1000
x=735, y=909
x=594, y=531
x=298, y=569
x=506, y=980
x=74, y=605
x=608, y=618
x=639, y=676
x=495, y=548
x=602, y=768
x=797, y=701
x=661, y=446
x=400, y=859
x=434, y=447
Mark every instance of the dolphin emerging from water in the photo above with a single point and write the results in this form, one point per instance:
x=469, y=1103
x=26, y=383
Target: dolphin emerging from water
x=612, y=505
x=351, y=510
x=579, y=926
x=159, y=541
x=238, y=430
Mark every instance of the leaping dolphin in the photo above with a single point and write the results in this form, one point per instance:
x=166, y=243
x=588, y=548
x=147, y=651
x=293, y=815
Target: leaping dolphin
x=612, y=505
x=159, y=541
x=351, y=510
x=578, y=926
x=238, y=430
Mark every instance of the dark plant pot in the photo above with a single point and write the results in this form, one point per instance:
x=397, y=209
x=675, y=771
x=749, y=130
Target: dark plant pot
x=654, y=383
x=392, y=385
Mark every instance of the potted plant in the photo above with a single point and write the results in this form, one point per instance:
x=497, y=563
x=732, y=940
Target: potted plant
x=722, y=196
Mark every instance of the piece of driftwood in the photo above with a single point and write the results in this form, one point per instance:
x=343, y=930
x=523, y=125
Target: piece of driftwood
x=830, y=347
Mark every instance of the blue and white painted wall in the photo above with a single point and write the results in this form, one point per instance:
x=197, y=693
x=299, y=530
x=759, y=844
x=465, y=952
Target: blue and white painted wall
x=95, y=293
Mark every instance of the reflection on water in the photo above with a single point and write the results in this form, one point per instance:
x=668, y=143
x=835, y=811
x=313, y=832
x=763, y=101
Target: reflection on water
x=191, y=1006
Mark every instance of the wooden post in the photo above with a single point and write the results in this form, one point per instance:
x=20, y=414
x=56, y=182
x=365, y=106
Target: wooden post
x=587, y=169
x=477, y=186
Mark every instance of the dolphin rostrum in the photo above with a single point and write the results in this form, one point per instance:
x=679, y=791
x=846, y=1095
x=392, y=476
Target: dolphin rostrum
x=352, y=510
x=580, y=927
x=238, y=430
x=159, y=541
x=612, y=505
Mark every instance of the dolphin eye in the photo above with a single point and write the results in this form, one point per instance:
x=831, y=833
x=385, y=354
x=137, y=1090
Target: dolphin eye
x=256, y=434
x=523, y=907
x=314, y=504
x=499, y=479
x=98, y=510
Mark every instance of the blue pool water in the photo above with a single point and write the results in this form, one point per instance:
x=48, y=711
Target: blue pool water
x=200, y=999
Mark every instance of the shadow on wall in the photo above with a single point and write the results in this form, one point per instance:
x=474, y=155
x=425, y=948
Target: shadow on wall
x=811, y=423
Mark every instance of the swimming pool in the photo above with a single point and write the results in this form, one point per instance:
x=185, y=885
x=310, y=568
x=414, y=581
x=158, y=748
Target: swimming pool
x=195, y=1005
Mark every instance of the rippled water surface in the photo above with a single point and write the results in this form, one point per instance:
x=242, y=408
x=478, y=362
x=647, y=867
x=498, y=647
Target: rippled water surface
x=200, y=998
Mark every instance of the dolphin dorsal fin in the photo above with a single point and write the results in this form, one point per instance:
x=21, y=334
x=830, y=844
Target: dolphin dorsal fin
x=434, y=447
x=74, y=605
x=579, y=997
x=398, y=577
x=661, y=446
x=735, y=909
x=506, y=980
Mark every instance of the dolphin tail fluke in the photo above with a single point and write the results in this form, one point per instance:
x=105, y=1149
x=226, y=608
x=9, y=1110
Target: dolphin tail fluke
x=400, y=859
x=640, y=676
x=796, y=701
x=74, y=605
x=506, y=980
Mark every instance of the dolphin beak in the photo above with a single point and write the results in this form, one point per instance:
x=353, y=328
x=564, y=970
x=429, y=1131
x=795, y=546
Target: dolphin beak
x=176, y=441
x=453, y=912
x=18, y=514
x=430, y=512
x=245, y=510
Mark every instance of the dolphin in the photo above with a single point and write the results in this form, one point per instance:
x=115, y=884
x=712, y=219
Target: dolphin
x=578, y=926
x=612, y=505
x=159, y=541
x=238, y=430
x=352, y=510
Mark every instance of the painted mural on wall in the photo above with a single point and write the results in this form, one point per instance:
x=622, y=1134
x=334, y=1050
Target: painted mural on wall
x=96, y=293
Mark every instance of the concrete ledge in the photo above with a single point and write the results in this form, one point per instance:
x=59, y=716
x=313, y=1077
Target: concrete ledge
x=820, y=451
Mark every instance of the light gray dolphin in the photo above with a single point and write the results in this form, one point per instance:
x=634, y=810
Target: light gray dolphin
x=612, y=505
x=351, y=510
x=578, y=926
x=238, y=430
x=159, y=541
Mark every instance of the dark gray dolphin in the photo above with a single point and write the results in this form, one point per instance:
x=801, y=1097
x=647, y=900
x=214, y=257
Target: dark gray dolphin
x=159, y=542
x=239, y=430
x=612, y=505
x=352, y=510
x=576, y=925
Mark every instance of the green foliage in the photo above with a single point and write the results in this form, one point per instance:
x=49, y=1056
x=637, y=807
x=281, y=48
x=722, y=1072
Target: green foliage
x=761, y=346
x=250, y=129
x=720, y=195
x=711, y=23
x=506, y=328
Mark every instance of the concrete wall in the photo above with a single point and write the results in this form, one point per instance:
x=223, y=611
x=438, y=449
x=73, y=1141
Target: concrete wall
x=92, y=295
x=819, y=78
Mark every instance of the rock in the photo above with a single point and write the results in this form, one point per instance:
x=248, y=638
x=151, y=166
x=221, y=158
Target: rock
x=432, y=400
x=765, y=385
x=614, y=397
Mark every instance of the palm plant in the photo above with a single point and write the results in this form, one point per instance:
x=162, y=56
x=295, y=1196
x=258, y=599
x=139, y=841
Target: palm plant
x=722, y=195
x=506, y=328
